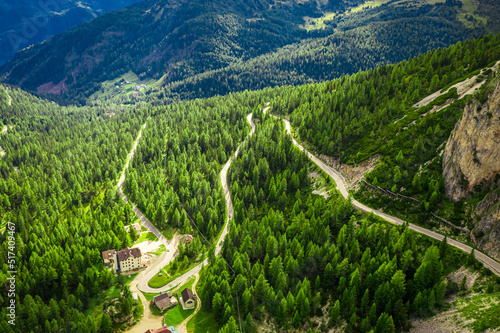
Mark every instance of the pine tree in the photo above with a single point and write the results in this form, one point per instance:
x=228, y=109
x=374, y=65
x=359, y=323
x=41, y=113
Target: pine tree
x=400, y=157
x=249, y=324
x=443, y=248
x=296, y=319
x=385, y=324
x=334, y=314
x=230, y=327
x=106, y=325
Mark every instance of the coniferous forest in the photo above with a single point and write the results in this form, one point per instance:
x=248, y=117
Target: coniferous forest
x=298, y=252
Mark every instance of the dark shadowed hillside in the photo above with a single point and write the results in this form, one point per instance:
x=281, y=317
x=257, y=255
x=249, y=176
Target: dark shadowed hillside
x=203, y=48
x=28, y=22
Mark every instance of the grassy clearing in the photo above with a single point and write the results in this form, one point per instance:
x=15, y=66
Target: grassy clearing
x=146, y=236
x=177, y=315
x=468, y=16
x=483, y=309
x=319, y=23
x=368, y=4
x=168, y=233
x=312, y=23
x=160, y=281
x=170, y=273
x=188, y=284
x=130, y=278
x=109, y=90
x=203, y=322
x=160, y=250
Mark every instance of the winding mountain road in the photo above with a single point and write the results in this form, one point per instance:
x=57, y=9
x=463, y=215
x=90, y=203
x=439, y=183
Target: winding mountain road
x=144, y=220
x=140, y=283
x=342, y=186
x=465, y=87
x=143, y=283
x=148, y=321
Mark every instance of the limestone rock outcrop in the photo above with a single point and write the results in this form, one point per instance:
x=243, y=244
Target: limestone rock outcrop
x=471, y=166
x=472, y=153
x=486, y=233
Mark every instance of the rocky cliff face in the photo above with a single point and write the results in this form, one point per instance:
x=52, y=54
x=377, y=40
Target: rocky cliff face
x=472, y=153
x=471, y=163
x=486, y=233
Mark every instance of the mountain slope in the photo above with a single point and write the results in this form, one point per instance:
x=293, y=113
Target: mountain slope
x=253, y=44
x=352, y=47
x=371, y=122
x=61, y=166
x=471, y=165
x=177, y=38
x=29, y=22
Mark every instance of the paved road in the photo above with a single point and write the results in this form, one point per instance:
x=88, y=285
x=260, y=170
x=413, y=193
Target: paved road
x=140, y=283
x=230, y=213
x=148, y=321
x=144, y=220
x=466, y=87
x=342, y=186
x=142, y=279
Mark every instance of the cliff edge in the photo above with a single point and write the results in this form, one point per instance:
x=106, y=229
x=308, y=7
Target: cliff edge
x=471, y=166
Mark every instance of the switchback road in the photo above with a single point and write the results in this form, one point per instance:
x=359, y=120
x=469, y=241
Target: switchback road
x=143, y=283
x=488, y=262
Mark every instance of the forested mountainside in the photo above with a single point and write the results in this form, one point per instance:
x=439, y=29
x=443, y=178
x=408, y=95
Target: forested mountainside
x=58, y=188
x=29, y=22
x=301, y=261
x=60, y=167
x=376, y=116
x=175, y=38
x=256, y=44
x=391, y=33
x=297, y=256
x=175, y=172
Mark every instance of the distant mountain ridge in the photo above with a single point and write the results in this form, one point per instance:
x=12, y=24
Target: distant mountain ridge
x=204, y=48
x=175, y=38
x=28, y=22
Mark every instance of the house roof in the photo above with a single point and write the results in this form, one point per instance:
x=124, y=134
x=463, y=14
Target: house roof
x=163, y=330
x=162, y=301
x=160, y=297
x=106, y=255
x=128, y=252
x=137, y=226
x=187, y=294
